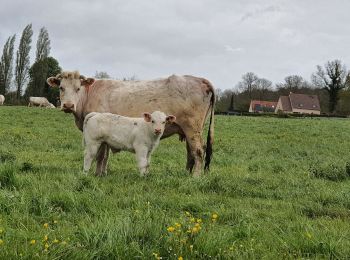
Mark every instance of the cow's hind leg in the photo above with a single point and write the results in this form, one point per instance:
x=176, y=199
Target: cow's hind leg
x=195, y=147
x=190, y=158
x=101, y=159
x=89, y=155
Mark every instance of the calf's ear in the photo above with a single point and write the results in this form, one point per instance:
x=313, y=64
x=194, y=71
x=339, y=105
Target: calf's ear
x=53, y=82
x=170, y=119
x=147, y=117
x=87, y=82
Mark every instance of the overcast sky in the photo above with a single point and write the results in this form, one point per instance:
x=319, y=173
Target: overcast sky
x=216, y=39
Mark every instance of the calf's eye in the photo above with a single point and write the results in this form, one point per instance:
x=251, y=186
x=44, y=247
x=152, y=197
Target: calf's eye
x=152, y=121
x=78, y=89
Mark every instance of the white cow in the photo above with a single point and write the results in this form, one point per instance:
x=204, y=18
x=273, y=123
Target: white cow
x=137, y=135
x=2, y=100
x=38, y=102
x=50, y=105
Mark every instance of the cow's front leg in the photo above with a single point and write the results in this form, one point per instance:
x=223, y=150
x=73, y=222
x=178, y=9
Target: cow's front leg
x=101, y=159
x=142, y=160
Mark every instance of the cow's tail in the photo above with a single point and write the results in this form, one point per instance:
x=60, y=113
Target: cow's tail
x=87, y=117
x=210, y=136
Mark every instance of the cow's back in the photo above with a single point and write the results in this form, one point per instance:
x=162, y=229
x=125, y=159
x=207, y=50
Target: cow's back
x=176, y=95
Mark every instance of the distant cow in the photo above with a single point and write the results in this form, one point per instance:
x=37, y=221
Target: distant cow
x=191, y=99
x=2, y=100
x=39, y=102
x=137, y=135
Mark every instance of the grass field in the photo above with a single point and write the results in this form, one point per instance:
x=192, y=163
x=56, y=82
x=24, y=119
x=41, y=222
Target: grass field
x=278, y=189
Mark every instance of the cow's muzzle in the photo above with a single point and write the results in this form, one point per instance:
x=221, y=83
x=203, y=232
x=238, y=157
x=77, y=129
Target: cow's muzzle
x=68, y=107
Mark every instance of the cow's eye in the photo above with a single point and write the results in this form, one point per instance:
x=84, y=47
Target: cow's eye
x=78, y=89
x=152, y=121
x=163, y=123
x=61, y=88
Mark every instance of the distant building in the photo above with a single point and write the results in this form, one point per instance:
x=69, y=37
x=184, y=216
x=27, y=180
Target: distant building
x=259, y=106
x=299, y=103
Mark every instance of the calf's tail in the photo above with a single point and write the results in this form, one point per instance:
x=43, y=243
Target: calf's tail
x=210, y=136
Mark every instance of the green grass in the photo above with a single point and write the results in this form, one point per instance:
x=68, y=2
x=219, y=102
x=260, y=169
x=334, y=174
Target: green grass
x=280, y=188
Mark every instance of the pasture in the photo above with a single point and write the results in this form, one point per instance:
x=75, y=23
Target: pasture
x=278, y=188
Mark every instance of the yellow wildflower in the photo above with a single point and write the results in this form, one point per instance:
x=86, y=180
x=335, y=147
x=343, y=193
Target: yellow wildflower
x=46, y=225
x=46, y=245
x=197, y=225
x=46, y=238
x=55, y=241
x=195, y=230
x=170, y=229
x=199, y=220
x=32, y=242
x=178, y=225
x=180, y=258
x=1, y=241
x=214, y=216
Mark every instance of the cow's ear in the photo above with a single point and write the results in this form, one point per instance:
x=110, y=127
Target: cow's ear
x=87, y=82
x=170, y=119
x=53, y=82
x=147, y=117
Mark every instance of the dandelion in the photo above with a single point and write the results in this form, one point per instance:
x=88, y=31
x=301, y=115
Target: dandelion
x=197, y=225
x=177, y=225
x=156, y=256
x=195, y=230
x=46, y=238
x=180, y=258
x=170, y=229
x=46, y=225
x=1, y=241
x=32, y=242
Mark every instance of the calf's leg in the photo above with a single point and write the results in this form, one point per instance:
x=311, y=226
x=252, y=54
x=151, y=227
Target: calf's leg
x=90, y=154
x=142, y=160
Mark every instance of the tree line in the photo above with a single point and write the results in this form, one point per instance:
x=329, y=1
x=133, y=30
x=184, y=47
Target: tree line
x=331, y=83
x=18, y=78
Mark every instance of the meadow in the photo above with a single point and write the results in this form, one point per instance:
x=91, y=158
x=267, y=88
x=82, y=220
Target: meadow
x=277, y=189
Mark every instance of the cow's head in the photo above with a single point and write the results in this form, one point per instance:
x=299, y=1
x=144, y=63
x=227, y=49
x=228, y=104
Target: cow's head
x=157, y=121
x=72, y=86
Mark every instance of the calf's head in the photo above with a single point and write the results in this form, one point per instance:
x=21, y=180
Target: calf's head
x=72, y=86
x=157, y=120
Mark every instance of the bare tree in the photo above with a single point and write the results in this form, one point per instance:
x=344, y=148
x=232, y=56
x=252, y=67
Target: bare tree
x=248, y=83
x=43, y=45
x=263, y=86
x=102, y=75
x=333, y=78
x=22, y=59
x=6, y=65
